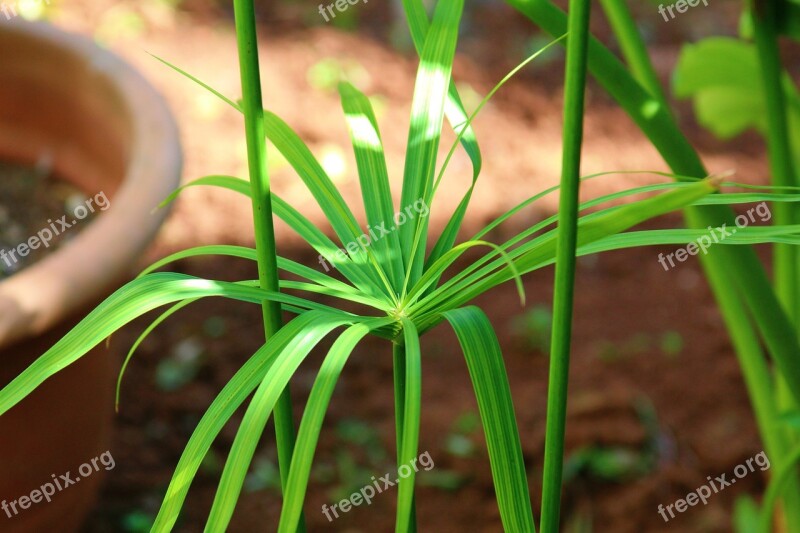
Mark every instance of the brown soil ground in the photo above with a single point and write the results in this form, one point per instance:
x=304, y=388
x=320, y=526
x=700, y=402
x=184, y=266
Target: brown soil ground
x=683, y=416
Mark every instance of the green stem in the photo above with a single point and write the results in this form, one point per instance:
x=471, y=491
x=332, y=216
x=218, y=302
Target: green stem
x=253, y=109
x=760, y=388
x=399, y=365
x=574, y=92
x=756, y=372
x=627, y=34
x=765, y=33
x=764, y=15
x=656, y=122
x=726, y=268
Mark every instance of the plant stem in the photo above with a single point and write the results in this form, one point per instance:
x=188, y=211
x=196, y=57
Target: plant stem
x=756, y=372
x=574, y=93
x=765, y=19
x=724, y=270
x=266, y=252
x=627, y=34
x=780, y=153
x=656, y=122
x=399, y=365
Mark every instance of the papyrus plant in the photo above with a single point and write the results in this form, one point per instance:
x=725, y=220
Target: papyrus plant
x=396, y=284
x=762, y=317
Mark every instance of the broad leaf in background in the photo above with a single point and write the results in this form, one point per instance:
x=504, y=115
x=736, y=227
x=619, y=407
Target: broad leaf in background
x=722, y=77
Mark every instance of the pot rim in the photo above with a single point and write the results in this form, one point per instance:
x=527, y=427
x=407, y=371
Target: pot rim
x=83, y=270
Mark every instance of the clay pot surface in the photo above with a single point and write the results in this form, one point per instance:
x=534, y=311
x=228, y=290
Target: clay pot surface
x=103, y=128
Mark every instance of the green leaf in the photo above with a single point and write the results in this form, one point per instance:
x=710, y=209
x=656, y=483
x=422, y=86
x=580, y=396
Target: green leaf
x=131, y=301
x=721, y=75
x=472, y=272
x=427, y=115
x=541, y=250
x=435, y=271
x=222, y=408
x=419, y=26
x=467, y=272
x=450, y=232
x=745, y=515
x=258, y=412
x=311, y=424
x=409, y=441
x=200, y=83
x=321, y=283
x=308, y=231
x=324, y=191
x=786, y=471
x=490, y=381
x=374, y=177
x=746, y=235
x=164, y=316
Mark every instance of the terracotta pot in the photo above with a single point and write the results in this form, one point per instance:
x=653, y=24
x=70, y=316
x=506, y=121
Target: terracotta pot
x=105, y=129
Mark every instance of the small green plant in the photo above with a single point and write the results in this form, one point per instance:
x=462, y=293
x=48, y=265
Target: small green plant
x=393, y=280
x=614, y=463
x=350, y=475
x=137, y=522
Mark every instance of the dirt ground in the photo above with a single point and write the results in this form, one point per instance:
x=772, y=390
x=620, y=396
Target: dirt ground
x=657, y=402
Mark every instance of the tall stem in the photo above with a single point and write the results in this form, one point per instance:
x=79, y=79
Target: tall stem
x=399, y=364
x=657, y=123
x=787, y=286
x=751, y=358
x=253, y=109
x=627, y=34
x=574, y=92
x=778, y=145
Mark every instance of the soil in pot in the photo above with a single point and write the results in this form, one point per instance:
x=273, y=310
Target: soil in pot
x=38, y=213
